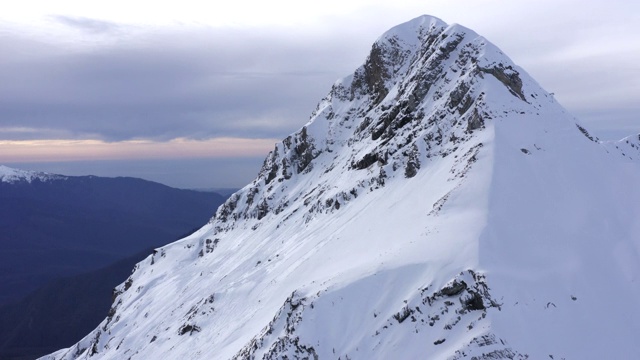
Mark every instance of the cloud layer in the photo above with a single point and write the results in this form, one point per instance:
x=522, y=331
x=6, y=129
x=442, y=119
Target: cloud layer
x=197, y=84
x=116, y=75
x=118, y=82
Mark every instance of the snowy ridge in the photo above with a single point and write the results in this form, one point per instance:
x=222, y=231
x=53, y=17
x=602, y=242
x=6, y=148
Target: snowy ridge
x=438, y=204
x=382, y=115
x=629, y=147
x=10, y=175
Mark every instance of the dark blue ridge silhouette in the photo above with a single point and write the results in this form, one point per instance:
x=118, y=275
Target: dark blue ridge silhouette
x=60, y=313
x=74, y=240
x=64, y=227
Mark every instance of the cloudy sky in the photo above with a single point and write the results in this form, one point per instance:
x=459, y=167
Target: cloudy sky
x=195, y=93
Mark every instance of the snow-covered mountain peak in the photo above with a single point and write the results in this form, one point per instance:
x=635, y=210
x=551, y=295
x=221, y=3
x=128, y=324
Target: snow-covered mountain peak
x=413, y=29
x=11, y=175
x=438, y=204
x=425, y=91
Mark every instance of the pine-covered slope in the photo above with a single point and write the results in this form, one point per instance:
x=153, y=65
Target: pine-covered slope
x=439, y=204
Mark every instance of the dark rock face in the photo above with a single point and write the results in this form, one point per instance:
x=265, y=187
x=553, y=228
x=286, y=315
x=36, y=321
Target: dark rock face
x=586, y=133
x=460, y=99
x=297, y=152
x=371, y=81
x=366, y=161
x=411, y=170
x=454, y=288
x=509, y=77
x=470, y=297
x=188, y=329
x=304, y=151
x=475, y=122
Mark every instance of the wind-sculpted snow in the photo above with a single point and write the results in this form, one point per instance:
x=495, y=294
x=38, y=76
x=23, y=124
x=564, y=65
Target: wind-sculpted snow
x=427, y=316
x=438, y=204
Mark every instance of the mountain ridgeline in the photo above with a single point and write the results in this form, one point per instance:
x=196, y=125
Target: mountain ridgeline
x=53, y=225
x=439, y=204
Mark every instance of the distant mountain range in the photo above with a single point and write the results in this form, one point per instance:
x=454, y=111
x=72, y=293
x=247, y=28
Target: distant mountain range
x=54, y=225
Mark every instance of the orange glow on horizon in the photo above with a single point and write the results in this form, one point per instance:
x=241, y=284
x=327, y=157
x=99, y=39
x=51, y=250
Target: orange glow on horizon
x=75, y=150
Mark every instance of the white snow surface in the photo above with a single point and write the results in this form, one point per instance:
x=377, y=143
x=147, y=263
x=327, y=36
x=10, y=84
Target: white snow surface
x=438, y=205
x=11, y=175
x=629, y=147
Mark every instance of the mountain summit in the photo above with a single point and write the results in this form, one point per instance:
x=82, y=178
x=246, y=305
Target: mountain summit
x=439, y=204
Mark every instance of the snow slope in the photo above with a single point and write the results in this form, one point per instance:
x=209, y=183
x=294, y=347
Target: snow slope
x=438, y=205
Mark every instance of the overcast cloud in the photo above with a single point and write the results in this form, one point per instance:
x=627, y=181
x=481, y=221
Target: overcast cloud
x=199, y=83
x=114, y=72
